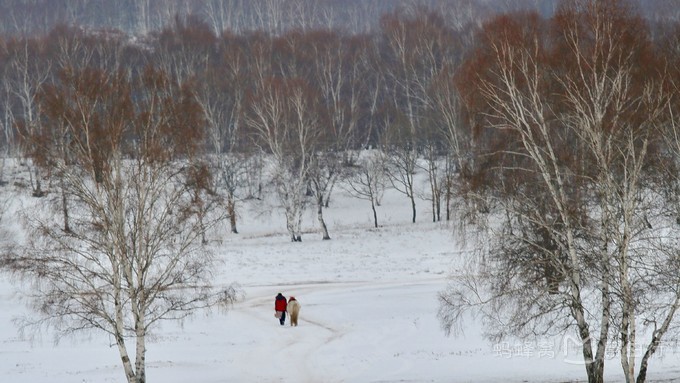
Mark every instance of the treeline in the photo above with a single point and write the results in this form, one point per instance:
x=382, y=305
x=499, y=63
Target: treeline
x=140, y=17
x=311, y=98
x=397, y=88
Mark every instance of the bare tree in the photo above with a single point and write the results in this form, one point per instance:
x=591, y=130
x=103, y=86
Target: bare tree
x=228, y=15
x=26, y=76
x=448, y=118
x=418, y=48
x=618, y=87
x=368, y=180
x=662, y=285
x=221, y=93
x=284, y=118
x=338, y=73
x=567, y=169
x=402, y=161
x=407, y=102
x=185, y=48
x=73, y=51
x=515, y=96
x=133, y=256
x=269, y=16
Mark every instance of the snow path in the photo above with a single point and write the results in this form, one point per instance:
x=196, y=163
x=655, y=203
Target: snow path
x=325, y=330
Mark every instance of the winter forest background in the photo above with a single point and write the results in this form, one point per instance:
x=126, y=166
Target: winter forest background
x=546, y=132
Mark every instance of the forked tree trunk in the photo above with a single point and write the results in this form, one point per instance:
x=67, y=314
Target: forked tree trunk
x=120, y=340
x=657, y=335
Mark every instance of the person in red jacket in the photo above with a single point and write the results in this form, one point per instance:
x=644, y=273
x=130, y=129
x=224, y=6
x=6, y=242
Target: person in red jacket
x=280, y=306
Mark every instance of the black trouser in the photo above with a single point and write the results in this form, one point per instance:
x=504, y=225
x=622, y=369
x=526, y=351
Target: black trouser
x=283, y=318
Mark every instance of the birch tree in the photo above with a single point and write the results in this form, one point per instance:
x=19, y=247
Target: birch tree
x=338, y=73
x=418, y=47
x=284, y=120
x=615, y=101
x=664, y=284
x=568, y=165
x=134, y=255
x=221, y=93
x=407, y=103
x=368, y=180
x=27, y=74
x=449, y=120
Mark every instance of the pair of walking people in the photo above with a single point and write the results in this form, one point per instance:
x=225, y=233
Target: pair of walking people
x=281, y=306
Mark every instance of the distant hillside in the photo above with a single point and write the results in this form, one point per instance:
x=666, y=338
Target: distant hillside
x=27, y=17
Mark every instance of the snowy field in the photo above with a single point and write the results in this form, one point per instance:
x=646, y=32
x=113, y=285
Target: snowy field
x=369, y=304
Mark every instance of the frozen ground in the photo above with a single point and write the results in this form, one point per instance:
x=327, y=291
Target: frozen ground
x=369, y=303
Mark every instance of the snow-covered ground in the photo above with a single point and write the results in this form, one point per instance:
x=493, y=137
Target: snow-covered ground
x=369, y=304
